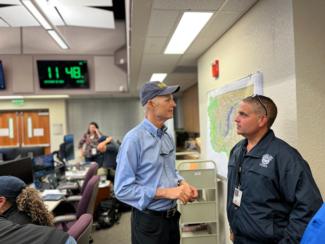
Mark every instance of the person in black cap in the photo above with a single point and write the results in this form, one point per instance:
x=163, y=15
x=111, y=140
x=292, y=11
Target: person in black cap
x=145, y=177
x=21, y=204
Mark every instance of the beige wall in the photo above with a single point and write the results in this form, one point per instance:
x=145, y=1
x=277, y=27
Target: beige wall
x=262, y=40
x=309, y=22
x=57, y=111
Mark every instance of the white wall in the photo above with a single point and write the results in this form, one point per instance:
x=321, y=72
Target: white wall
x=309, y=22
x=262, y=40
x=57, y=111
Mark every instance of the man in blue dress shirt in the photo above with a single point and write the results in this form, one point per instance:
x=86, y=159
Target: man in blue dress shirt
x=146, y=177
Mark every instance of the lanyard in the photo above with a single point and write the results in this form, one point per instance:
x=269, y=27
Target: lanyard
x=239, y=163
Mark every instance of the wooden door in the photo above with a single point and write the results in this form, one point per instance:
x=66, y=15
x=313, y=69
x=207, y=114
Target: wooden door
x=9, y=129
x=36, y=129
x=25, y=129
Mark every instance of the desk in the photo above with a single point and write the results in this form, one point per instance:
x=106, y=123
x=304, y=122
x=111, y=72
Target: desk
x=51, y=205
x=75, y=174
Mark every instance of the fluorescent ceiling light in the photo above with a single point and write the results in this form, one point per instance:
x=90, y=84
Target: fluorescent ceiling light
x=39, y=15
x=187, y=29
x=55, y=35
x=158, y=77
x=35, y=11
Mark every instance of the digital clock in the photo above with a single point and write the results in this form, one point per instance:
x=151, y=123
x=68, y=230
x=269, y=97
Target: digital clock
x=63, y=74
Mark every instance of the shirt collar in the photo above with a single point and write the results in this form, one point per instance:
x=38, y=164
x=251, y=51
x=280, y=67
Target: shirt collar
x=152, y=129
x=260, y=148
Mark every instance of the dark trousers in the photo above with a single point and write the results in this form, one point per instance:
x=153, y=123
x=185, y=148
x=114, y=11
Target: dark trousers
x=247, y=240
x=150, y=229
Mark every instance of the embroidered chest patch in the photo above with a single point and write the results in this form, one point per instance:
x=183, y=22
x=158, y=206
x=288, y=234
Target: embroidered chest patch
x=266, y=159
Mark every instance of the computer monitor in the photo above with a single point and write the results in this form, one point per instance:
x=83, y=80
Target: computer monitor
x=15, y=152
x=45, y=162
x=42, y=167
x=21, y=168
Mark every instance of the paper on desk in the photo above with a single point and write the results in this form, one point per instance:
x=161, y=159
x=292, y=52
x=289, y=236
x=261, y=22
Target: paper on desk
x=54, y=191
x=75, y=173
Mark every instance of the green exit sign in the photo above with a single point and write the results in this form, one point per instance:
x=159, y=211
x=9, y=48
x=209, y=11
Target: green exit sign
x=18, y=102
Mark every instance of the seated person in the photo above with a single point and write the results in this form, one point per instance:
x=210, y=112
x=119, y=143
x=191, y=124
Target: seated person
x=11, y=233
x=21, y=204
x=107, y=159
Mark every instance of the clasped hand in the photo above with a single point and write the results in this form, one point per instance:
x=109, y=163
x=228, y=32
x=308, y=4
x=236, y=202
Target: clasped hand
x=186, y=193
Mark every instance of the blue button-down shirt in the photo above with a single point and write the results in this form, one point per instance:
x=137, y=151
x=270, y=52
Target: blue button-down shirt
x=146, y=161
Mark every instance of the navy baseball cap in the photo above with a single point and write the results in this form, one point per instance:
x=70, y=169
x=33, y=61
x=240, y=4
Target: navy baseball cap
x=155, y=88
x=11, y=187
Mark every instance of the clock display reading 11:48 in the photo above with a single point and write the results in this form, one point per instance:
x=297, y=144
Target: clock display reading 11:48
x=63, y=74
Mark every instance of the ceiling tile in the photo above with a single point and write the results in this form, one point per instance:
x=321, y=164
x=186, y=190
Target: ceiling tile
x=88, y=17
x=159, y=63
x=80, y=39
x=102, y=3
x=190, y=5
x=13, y=2
x=155, y=45
x=188, y=59
x=17, y=16
x=218, y=25
x=163, y=23
x=238, y=5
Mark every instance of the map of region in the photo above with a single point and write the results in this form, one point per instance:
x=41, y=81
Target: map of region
x=221, y=113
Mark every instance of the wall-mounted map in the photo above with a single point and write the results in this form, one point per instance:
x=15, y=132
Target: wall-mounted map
x=222, y=108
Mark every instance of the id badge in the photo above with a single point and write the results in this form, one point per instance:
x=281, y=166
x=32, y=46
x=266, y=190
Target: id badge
x=237, y=197
x=93, y=151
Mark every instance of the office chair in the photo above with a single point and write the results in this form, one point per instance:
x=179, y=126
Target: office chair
x=81, y=229
x=85, y=205
x=74, y=185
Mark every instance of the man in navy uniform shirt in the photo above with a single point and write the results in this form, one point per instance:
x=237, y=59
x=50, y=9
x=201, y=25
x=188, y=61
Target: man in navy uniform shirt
x=271, y=192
